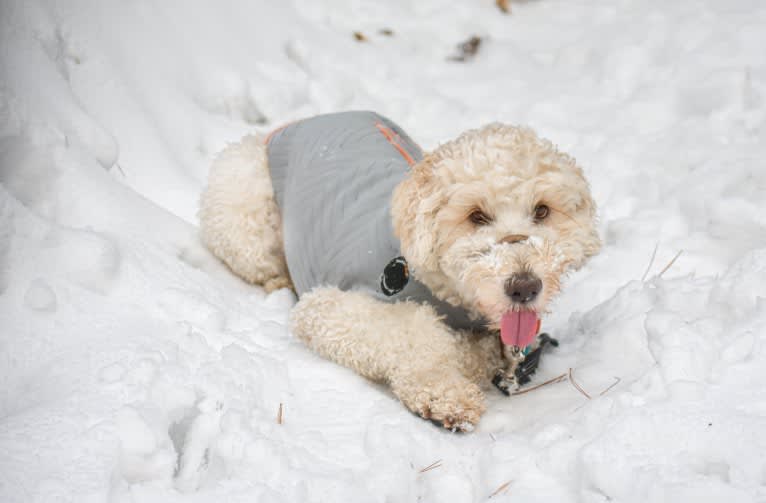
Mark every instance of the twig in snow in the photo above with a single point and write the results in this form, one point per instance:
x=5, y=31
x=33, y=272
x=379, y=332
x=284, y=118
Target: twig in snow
x=546, y=383
x=670, y=264
x=504, y=5
x=119, y=168
x=279, y=414
x=502, y=489
x=615, y=383
x=577, y=386
x=651, y=261
x=467, y=50
x=432, y=466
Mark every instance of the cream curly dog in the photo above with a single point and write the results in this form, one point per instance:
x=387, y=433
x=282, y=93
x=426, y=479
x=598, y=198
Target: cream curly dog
x=413, y=269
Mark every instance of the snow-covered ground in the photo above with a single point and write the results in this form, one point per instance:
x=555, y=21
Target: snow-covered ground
x=134, y=367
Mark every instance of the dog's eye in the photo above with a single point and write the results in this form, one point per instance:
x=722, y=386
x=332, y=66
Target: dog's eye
x=478, y=217
x=541, y=212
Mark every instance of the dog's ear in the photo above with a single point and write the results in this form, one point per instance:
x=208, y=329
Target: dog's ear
x=415, y=202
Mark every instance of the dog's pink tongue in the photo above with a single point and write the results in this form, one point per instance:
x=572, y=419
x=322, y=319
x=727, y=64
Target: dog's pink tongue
x=518, y=328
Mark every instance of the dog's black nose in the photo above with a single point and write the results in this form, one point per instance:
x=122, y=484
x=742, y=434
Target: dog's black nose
x=523, y=287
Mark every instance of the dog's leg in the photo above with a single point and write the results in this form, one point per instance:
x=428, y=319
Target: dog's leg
x=239, y=218
x=403, y=344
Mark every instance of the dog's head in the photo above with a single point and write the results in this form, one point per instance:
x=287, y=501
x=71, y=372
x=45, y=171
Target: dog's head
x=492, y=220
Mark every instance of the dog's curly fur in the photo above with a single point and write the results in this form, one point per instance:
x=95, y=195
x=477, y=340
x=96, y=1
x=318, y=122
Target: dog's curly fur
x=503, y=171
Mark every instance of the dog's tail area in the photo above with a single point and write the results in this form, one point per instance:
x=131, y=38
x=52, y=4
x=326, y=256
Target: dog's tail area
x=239, y=218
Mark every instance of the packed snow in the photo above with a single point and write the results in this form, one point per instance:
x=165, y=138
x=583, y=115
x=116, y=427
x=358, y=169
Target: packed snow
x=135, y=367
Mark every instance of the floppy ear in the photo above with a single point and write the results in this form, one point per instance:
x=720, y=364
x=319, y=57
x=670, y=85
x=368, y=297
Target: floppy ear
x=583, y=240
x=415, y=202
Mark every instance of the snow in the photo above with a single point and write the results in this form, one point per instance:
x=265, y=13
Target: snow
x=135, y=367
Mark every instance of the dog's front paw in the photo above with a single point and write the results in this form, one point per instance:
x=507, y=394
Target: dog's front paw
x=455, y=409
x=456, y=404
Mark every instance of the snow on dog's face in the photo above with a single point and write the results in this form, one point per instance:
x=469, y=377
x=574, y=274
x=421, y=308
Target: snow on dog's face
x=492, y=220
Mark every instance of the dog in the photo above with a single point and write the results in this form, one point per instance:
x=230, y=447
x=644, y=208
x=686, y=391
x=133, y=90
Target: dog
x=417, y=270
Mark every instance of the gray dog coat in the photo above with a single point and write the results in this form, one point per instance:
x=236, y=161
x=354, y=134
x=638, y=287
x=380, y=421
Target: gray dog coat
x=333, y=177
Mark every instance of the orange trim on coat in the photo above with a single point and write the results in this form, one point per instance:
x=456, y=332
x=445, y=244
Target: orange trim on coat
x=393, y=139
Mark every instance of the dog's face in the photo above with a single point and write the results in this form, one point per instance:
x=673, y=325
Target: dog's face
x=492, y=220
